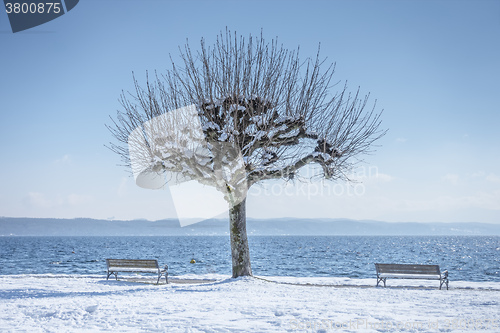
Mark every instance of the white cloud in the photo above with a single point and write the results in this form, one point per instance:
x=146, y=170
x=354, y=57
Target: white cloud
x=451, y=178
x=44, y=201
x=375, y=178
x=78, y=199
x=123, y=187
x=478, y=174
x=65, y=160
x=382, y=177
x=40, y=200
x=480, y=200
x=401, y=140
x=483, y=176
x=493, y=178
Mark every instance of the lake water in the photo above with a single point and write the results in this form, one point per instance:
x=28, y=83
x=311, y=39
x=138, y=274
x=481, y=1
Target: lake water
x=467, y=258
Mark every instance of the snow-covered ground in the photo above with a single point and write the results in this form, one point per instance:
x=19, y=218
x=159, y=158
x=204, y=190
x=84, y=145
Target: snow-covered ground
x=61, y=303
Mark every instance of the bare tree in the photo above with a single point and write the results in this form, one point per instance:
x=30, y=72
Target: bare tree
x=263, y=113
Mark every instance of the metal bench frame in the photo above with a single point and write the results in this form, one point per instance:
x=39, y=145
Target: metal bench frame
x=136, y=266
x=410, y=271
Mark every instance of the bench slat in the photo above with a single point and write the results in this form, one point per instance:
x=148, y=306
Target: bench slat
x=410, y=276
x=132, y=263
x=408, y=269
x=133, y=269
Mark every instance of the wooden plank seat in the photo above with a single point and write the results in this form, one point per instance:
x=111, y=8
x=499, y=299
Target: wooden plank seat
x=137, y=266
x=411, y=271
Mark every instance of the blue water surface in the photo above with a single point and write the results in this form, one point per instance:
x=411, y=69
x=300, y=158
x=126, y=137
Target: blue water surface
x=467, y=258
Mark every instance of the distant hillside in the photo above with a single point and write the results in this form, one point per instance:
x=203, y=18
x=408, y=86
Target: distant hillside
x=285, y=226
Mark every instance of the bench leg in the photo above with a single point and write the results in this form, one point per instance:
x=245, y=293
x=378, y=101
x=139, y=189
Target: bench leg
x=380, y=280
x=444, y=281
x=160, y=275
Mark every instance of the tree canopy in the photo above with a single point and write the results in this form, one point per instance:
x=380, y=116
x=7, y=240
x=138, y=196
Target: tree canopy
x=251, y=111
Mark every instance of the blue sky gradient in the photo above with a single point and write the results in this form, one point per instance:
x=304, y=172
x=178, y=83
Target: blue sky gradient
x=432, y=66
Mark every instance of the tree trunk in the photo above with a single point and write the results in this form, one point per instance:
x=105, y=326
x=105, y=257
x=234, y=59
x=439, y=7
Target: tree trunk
x=239, y=242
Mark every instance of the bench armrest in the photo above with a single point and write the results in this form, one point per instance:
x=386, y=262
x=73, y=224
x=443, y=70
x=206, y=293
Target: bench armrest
x=445, y=273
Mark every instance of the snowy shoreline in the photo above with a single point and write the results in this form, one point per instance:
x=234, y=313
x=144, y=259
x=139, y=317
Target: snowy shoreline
x=73, y=303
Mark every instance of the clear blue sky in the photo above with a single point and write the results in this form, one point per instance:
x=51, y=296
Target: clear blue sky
x=433, y=66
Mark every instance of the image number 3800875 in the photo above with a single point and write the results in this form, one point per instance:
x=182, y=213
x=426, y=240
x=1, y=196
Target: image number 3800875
x=26, y=14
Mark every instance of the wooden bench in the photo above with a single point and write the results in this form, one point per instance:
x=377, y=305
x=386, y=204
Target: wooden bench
x=136, y=266
x=405, y=271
